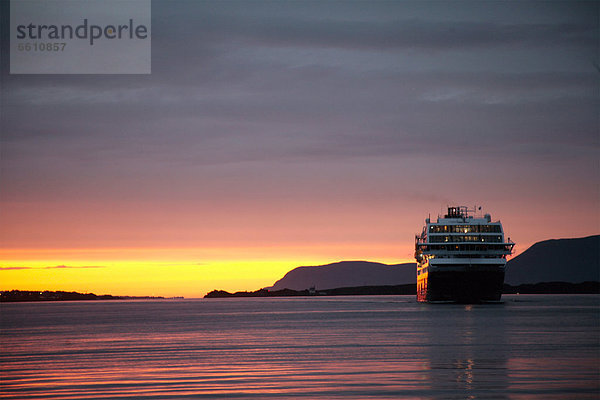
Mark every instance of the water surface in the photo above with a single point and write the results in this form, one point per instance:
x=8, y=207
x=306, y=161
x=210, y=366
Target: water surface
x=381, y=347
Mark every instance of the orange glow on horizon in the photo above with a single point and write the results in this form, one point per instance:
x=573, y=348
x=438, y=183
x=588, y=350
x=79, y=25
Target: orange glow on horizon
x=188, y=272
x=142, y=256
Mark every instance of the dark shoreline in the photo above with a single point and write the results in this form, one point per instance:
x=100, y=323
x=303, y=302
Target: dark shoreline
x=410, y=289
x=13, y=296
x=590, y=287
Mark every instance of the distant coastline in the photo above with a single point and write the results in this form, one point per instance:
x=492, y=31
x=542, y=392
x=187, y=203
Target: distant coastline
x=12, y=296
x=410, y=289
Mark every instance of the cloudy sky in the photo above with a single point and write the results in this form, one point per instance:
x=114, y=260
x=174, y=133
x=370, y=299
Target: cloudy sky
x=276, y=134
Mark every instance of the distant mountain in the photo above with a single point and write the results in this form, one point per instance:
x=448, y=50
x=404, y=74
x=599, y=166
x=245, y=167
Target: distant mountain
x=347, y=274
x=561, y=260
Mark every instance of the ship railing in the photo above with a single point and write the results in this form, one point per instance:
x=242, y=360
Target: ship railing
x=509, y=245
x=467, y=243
x=494, y=253
x=453, y=248
x=463, y=212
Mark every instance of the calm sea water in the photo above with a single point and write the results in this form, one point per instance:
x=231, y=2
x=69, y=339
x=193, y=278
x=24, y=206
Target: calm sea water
x=385, y=347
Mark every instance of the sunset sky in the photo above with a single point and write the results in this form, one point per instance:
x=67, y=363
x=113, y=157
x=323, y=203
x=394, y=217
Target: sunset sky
x=276, y=134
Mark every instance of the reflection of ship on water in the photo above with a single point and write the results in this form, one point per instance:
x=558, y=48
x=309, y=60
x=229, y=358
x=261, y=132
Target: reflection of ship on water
x=461, y=258
x=467, y=352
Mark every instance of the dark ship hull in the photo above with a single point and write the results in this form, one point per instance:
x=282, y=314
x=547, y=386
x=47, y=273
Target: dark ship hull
x=461, y=286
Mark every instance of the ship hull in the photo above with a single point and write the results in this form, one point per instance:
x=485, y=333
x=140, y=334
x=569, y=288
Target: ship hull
x=461, y=286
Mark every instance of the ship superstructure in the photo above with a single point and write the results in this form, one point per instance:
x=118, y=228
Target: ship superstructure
x=461, y=257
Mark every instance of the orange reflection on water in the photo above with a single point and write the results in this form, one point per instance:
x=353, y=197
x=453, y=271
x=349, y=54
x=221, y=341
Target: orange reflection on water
x=303, y=378
x=227, y=364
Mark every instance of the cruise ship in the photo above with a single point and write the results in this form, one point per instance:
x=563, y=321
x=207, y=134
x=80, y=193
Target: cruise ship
x=461, y=258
